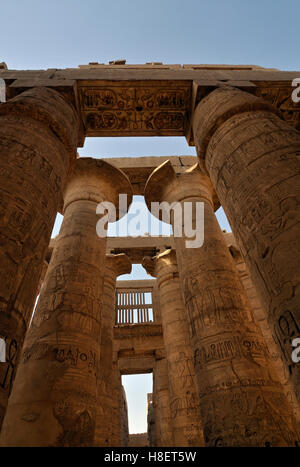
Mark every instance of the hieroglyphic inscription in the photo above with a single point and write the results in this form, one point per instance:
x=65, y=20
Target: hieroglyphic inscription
x=135, y=108
x=71, y=356
x=228, y=349
x=286, y=329
x=281, y=98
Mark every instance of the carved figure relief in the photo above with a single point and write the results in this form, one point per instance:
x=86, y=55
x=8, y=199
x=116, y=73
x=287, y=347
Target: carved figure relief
x=133, y=109
x=281, y=97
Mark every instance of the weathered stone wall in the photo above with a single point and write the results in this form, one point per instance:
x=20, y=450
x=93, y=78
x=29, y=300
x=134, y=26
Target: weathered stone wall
x=138, y=440
x=124, y=419
x=151, y=420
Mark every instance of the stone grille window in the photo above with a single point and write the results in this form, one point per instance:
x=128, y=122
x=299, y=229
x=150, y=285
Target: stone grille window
x=134, y=306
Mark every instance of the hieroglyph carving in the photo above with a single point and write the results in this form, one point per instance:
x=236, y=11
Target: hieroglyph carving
x=134, y=108
x=281, y=98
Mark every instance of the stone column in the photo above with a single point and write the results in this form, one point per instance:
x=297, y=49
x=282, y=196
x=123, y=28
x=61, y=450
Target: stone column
x=54, y=400
x=184, y=400
x=119, y=422
x=151, y=420
x=241, y=403
x=115, y=265
x=260, y=315
x=163, y=421
x=124, y=419
x=252, y=157
x=38, y=139
x=116, y=400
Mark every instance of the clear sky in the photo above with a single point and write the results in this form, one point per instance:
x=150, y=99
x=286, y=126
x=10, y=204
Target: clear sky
x=65, y=33
x=35, y=34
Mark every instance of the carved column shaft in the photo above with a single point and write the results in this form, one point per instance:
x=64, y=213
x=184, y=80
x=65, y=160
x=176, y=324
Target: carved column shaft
x=54, y=400
x=38, y=140
x=117, y=435
x=252, y=157
x=163, y=422
x=241, y=404
x=105, y=433
x=184, y=401
x=151, y=421
x=260, y=315
x=124, y=418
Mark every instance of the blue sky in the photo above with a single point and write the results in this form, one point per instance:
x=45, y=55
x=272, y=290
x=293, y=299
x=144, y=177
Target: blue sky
x=35, y=34
x=66, y=33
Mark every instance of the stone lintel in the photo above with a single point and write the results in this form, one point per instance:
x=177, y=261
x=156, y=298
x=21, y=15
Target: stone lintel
x=135, y=347
x=138, y=248
x=153, y=100
x=136, y=365
x=146, y=284
x=138, y=169
x=167, y=72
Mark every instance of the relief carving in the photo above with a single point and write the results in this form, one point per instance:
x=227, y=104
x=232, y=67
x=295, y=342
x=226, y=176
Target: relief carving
x=281, y=98
x=132, y=109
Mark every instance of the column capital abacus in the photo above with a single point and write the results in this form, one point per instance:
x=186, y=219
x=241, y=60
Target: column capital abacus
x=164, y=184
x=49, y=107
x=117, y=265
x=97, y=180
x=152, y=264
x=149, y=264
x=218, y=107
